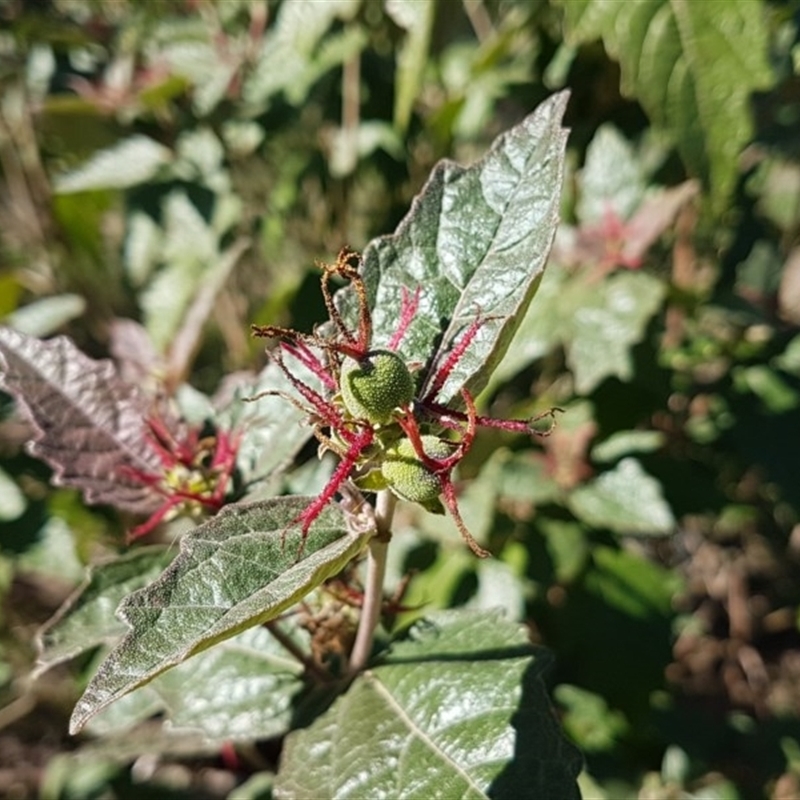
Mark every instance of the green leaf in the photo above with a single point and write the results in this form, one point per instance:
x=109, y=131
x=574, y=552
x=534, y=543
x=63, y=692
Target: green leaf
x=46, y=316
x=611, y=179
x=241, y=568
x=271, y=429
x=588, y=718
x=190, y=256
x=12, y=501
x=630, y=583
x=596, y=322
x=692, y=66
x=88, y=620
x=295, y=53
x=623, y=443
x=242, y=689
x=625, y=500
x=417, y=20
x=608, y=320
x=476, y=241
x=457, y=710
x=131, y=162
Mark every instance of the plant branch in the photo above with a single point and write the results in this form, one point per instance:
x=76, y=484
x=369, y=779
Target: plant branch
x=286, y=641
x=373, y=591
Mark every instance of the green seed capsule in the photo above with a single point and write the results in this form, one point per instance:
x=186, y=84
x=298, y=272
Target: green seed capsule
x=409, y=478
x=374, y=386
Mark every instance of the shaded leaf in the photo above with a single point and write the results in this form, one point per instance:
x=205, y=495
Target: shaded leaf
x=636, y=586
x=457, y=710
x=271, y=430
x=691, y=65
x=89, y=423
x=625, y=500
x=588, y=718
x=239, y=569
x=476, y=241
x=244, y=688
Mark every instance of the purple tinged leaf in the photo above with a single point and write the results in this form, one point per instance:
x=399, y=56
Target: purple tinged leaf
x=89, y=424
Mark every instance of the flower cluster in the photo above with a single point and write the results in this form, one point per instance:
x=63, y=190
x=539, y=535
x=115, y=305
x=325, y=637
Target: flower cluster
x=197, y=472
x=366, y=409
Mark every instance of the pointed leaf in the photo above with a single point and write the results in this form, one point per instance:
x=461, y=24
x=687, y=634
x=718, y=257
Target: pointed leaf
x=475, y=241
x=128, y=163
x=458, y=710
x=244, y=688
x=271, y=429
x=88, y=619
x=691, y=65
x=46, y=316
x=239, y=569
x=89, y=423
x=605, y=322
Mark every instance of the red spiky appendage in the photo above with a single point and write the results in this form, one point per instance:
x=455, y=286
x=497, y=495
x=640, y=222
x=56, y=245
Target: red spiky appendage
x=355, y=440
x=196, y=474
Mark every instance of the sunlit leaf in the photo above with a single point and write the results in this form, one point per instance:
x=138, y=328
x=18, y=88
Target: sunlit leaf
x=294, y=53
x=458, y=710
x=12, y=500
x=625, y=500
x=597, y=323
x=128, y=163
x=44, y=317
x=475, y=242
x=611, y=180
x=417, y=20
x=240, y=569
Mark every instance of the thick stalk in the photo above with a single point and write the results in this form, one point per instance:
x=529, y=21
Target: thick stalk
x=373, y=589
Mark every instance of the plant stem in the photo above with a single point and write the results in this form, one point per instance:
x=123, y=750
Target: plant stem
x=373, y=590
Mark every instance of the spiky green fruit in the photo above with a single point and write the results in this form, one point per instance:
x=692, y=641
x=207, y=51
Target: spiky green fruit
x=374, y=386
x=409, y=478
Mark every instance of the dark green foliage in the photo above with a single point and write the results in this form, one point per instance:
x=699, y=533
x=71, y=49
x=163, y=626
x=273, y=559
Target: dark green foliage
x=169, y=174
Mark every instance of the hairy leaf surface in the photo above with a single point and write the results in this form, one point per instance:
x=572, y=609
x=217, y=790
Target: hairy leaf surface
x=240, y=569
x=475, y=243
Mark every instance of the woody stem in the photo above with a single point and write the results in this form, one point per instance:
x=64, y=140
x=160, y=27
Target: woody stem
x=373, y=589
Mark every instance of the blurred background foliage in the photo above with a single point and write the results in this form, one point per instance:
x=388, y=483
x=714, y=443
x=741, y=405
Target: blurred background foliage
x=171, y=169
